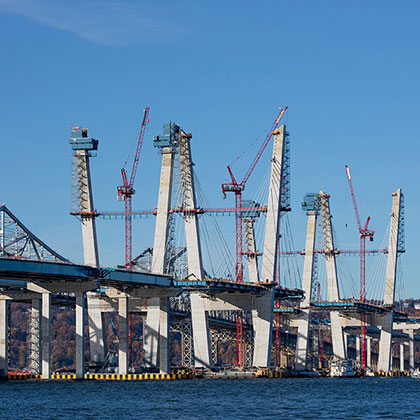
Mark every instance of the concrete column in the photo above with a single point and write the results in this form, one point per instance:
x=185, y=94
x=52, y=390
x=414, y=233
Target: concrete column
x=151, y=333
x=272, y=224
x=200, y=330
x=4, y=365
x=401, y=357
x=80, y=335
x=164, y=363
x=123, y=335
x=97, y=332
x=358, y=348
x=192, y=237
x=262, y=321
x=162, y=217
x=35, y=337
x=411, y=350
x=346, y=342
x=385, y=342
x=303, y=323
x=302, y=340
x=369, y=352
x=385, y=345
x=90, y=243
x=331, y=271
x=46, y=336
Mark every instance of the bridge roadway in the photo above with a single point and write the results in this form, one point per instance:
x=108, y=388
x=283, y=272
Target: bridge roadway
x=22, y=279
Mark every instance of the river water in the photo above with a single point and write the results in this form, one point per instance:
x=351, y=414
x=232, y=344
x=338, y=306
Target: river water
x=291, y=398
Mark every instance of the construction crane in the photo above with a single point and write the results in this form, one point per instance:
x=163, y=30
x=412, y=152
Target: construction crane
x=233, y=186
x=364, y=233
x=126, y=191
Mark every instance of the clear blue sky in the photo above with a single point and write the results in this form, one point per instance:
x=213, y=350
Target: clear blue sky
x=349, y=72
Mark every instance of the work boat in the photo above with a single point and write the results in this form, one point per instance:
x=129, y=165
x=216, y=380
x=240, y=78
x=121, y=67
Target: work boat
x=416, y=374
x=342, y=368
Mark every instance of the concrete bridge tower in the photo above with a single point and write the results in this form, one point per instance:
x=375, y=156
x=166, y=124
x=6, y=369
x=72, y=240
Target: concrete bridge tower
x=82, y=205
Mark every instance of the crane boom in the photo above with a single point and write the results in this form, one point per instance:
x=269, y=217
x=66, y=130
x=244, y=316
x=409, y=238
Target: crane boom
x=353, y=197
x=263, y=146
x=139, y=144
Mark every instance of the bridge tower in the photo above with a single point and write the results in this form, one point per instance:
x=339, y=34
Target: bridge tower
x=262, y=317
x=82, y=206
x=311, y=206
x=385, y=342
x=199, y=320
x=337, y=336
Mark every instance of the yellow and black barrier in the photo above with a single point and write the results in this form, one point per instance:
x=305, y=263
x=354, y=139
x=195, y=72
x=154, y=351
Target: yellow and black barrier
x=127, y=377
x=269, y=373
x=22, y=376
x=393, y=373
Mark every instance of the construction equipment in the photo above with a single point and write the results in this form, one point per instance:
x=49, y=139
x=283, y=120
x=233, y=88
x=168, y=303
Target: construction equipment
x=364, y=233
x=126, y=191
x=233, y=186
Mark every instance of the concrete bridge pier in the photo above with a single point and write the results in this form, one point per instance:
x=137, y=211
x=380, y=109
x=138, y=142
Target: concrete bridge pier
x=46, y=335
x=156, y=332
x=46, y=289
x=97, y=332
x=123, y=335
x=4, y=309
x=262, y=321
x=368, y=352
x=200, y=329
x=80, y=335
x=411, y=350
x=402, y=357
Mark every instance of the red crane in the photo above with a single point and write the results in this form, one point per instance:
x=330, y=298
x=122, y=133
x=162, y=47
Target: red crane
x=364, y=233
x=233, y=186
x=126, y=191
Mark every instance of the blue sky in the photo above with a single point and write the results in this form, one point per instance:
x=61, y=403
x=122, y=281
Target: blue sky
x=349, y=72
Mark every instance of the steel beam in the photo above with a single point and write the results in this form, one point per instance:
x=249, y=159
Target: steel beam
x=35, y=336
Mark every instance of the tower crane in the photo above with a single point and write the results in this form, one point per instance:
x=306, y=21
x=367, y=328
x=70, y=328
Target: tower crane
x=126, y=191
x=233, y=186
x=364, y=233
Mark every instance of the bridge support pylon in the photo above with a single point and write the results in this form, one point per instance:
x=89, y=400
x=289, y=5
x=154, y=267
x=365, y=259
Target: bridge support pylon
x=4, y=321
x=385, y=342
x=337, y=336
x=82, y=205
x=311, y=205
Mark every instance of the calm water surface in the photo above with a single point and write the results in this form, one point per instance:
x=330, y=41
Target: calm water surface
x=316, y=398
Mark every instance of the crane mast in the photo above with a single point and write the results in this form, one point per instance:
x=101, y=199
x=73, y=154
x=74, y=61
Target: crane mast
x=364, y=233
x=126, y=190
